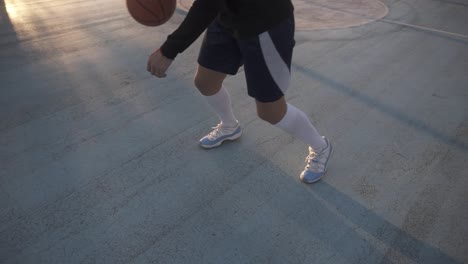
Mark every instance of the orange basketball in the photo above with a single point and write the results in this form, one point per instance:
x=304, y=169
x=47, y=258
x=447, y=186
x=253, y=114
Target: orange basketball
x=151, y=13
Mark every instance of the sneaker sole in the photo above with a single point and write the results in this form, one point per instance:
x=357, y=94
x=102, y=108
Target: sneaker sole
x=232, y=138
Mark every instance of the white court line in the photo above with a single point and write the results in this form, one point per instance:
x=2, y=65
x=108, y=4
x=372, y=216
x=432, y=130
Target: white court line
x=395, y=22
x=423, y=28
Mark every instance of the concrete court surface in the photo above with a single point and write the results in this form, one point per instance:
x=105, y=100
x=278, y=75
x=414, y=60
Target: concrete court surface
x=99, y=161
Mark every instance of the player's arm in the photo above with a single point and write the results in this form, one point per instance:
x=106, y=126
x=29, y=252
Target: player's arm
x=200, y=15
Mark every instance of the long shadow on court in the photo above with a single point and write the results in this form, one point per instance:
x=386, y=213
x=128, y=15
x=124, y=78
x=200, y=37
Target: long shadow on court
x=9, y=48
x=329, y=215
x=393, y=236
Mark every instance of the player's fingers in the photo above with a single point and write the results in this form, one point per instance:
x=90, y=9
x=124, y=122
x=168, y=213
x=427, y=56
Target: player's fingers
x=157, y=72
x=162, y=74
x=162, y=71
x=154, y=71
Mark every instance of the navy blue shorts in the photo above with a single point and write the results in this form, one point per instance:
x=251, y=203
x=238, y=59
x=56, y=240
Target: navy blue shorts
x=266, y=57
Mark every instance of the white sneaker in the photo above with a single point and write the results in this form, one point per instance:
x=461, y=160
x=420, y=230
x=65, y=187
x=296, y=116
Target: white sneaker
x=317, y=163
x=219, y=134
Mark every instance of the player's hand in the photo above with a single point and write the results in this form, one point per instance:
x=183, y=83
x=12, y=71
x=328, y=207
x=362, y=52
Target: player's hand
x=158, y=64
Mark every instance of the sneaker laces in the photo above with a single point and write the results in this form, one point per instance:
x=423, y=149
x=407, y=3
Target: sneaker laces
x=216, y=132
x=314, y=160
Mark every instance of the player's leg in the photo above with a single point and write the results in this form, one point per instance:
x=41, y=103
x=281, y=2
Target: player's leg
x=267, y=63
x=290, y=119
x=210, y=85
x=208, y=81
x=294, y=121
x=219, y=56
x=272, y=112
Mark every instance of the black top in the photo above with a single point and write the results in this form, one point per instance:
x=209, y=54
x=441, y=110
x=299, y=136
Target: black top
x=246, y=18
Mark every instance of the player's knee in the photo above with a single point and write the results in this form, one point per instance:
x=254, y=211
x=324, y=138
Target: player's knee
x=205, y=86
x=199, y=83
x=267, y=117
x=272, y=112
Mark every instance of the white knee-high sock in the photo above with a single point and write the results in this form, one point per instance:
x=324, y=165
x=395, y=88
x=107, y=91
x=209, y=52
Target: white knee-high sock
x=221, y=104
x=296, y=123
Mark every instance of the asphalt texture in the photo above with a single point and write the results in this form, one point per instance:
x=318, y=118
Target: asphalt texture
x=100, y=163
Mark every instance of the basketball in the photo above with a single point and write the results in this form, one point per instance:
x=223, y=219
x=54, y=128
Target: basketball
x=151, y=13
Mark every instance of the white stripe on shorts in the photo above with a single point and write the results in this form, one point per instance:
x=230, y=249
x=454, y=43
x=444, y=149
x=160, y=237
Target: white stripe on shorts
x=276, y=65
